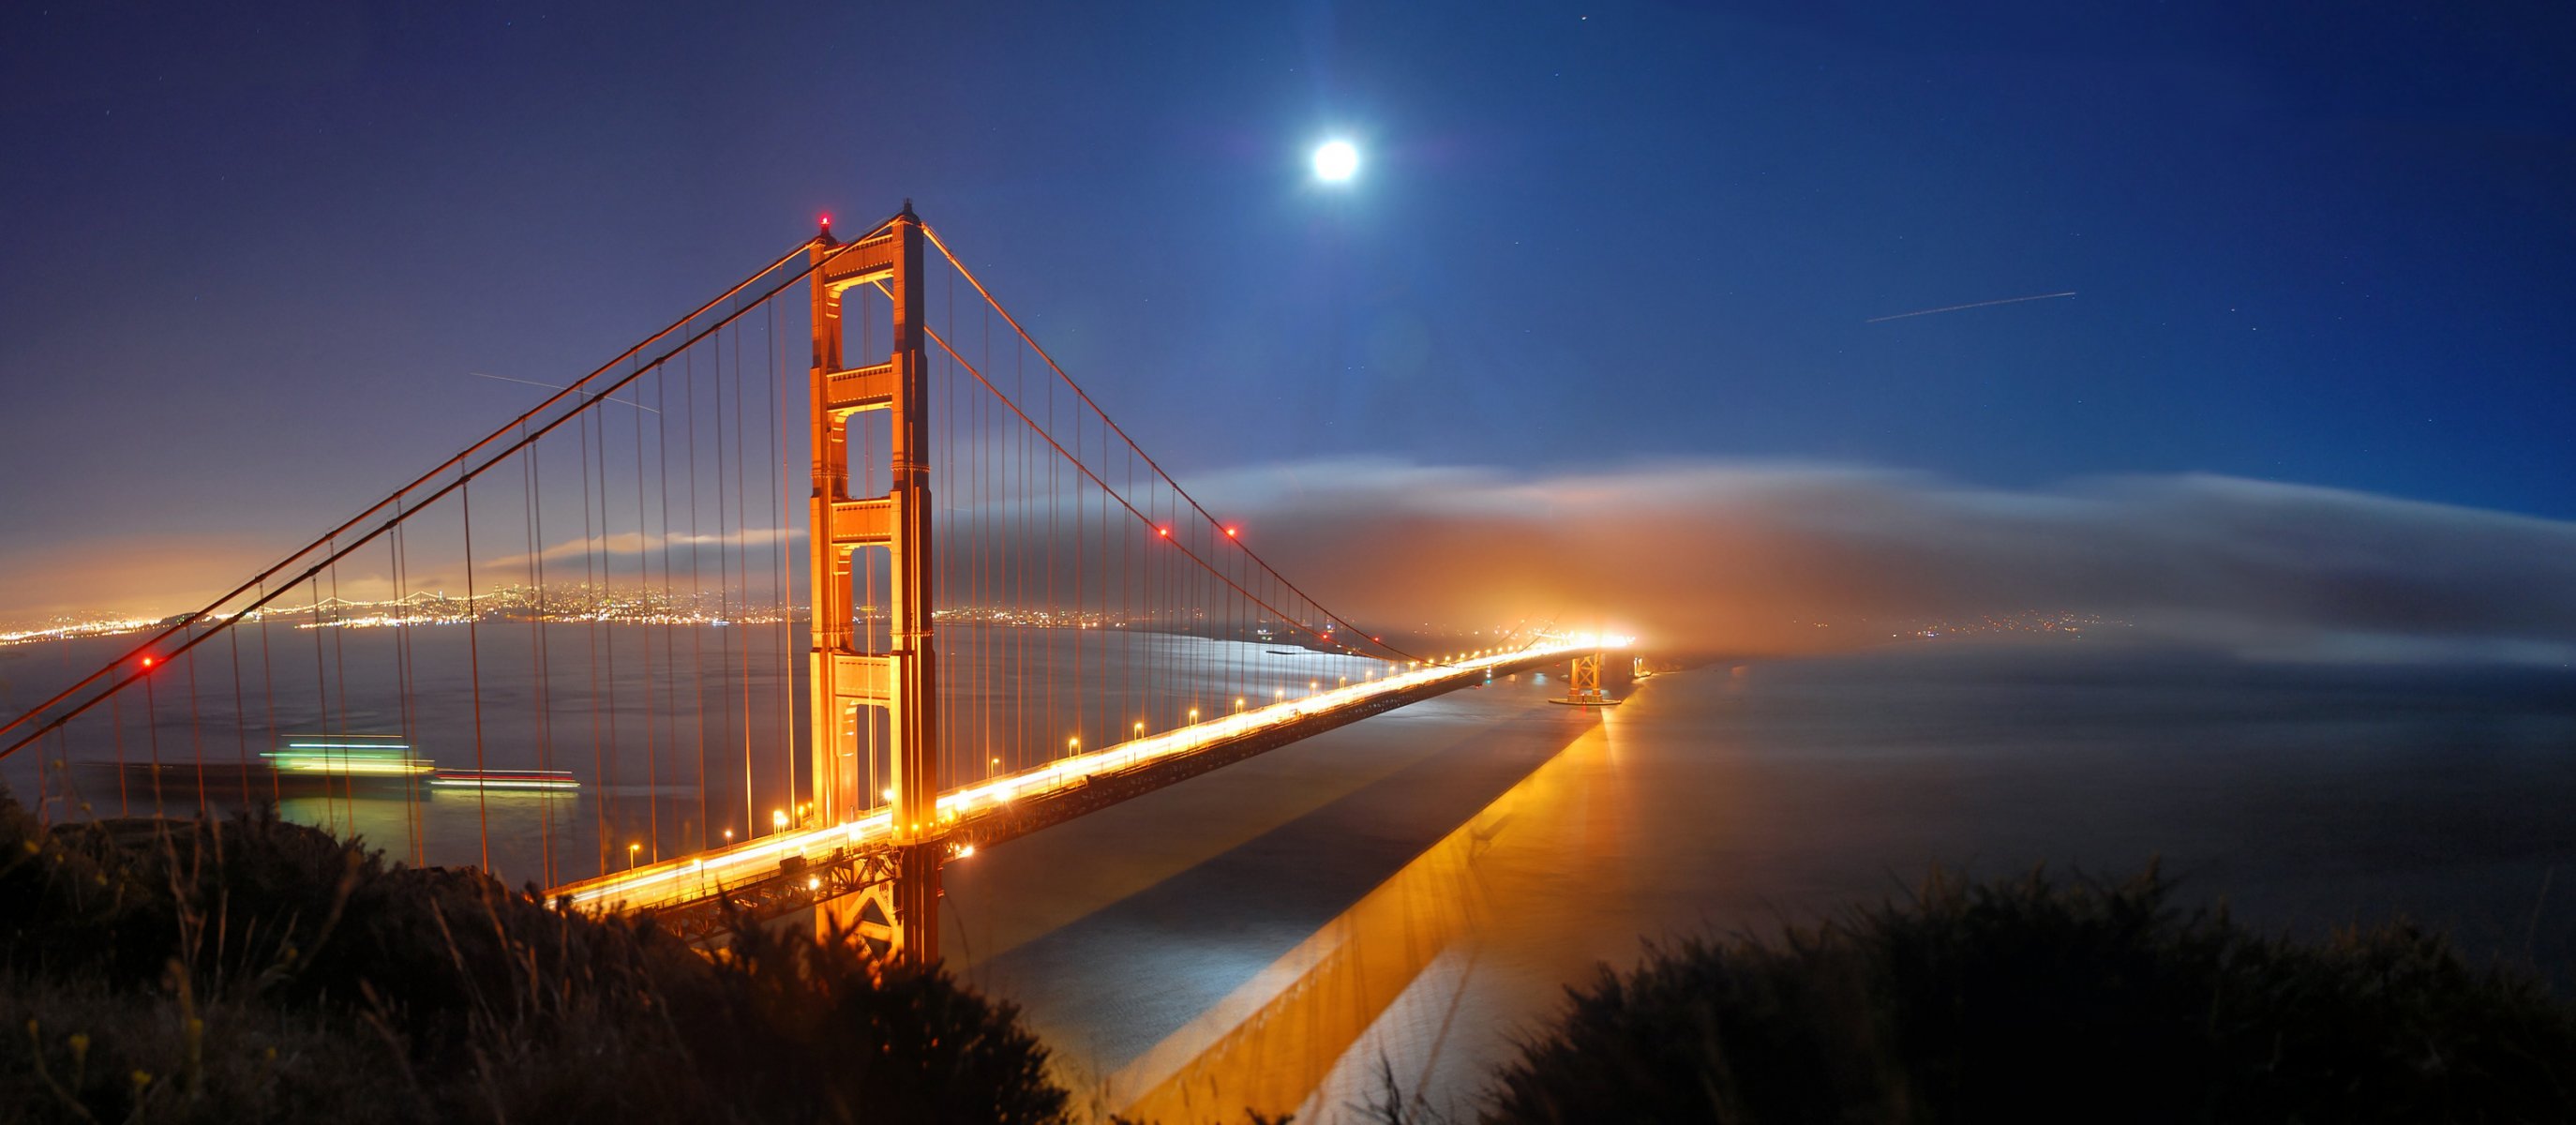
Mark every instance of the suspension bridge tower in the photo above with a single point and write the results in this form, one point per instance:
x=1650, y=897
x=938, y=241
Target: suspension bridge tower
x=852, y=684
x=1583, y=685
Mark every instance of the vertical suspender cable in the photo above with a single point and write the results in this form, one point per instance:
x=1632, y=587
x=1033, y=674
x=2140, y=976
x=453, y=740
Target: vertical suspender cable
x=742, y=573
x=196, y=736
x=657, y=705
x=474, y=677
x=534, y=508
x=268, y=689
x=782, y=609
x=595, y=585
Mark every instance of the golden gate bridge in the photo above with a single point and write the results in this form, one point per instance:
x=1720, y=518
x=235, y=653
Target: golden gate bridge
x=1015, y=616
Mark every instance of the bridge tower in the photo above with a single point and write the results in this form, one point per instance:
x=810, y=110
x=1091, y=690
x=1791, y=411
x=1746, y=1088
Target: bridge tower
x=849, y=684
x=1583, y=684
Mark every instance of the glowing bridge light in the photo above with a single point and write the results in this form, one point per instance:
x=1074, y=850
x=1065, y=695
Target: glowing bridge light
x=667, y=882
x=1231, y=532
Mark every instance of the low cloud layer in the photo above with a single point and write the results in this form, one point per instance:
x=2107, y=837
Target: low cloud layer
x=1749, y=556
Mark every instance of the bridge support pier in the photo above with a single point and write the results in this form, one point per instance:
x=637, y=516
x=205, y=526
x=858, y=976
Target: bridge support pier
x=916, y=901
x=896, y=917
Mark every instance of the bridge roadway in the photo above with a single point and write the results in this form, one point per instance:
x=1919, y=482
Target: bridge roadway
x=703, y=894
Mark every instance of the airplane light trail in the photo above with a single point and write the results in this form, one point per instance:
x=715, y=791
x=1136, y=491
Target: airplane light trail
x=1974, y=305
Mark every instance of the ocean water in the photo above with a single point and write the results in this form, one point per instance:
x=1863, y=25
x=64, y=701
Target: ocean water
x=1411, y=891
x=676, y=734
x=1408, y=893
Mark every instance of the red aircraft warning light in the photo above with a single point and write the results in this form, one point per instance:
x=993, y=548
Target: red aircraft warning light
x=1165, y=532
x=147, y=662
x=1230, y=532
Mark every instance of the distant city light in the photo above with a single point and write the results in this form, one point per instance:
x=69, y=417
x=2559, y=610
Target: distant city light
x=1336, y=162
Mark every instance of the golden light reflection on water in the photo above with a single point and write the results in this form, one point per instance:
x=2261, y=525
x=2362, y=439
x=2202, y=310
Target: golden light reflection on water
x=1283, y=1040
x=532, y=833
x=1182, y=830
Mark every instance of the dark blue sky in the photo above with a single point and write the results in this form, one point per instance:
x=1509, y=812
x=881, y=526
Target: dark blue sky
x=253, y=252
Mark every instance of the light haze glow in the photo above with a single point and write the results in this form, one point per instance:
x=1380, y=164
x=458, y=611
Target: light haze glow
x=1336, y=162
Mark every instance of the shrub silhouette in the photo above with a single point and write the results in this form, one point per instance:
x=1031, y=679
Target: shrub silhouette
x=249, y=969
x=2040, y=999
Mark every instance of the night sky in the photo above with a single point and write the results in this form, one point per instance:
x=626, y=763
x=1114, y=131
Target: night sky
x=254, y=251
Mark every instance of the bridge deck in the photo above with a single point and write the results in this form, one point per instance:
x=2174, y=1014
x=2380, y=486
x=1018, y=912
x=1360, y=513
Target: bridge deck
x=790, y=870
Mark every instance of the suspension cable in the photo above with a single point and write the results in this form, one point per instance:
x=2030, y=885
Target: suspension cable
x=331, y=539
x=1113, y=494
x=1114, y=427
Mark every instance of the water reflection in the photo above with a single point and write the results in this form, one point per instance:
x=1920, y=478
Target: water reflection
x=1422, y=915
x=1284, y=1038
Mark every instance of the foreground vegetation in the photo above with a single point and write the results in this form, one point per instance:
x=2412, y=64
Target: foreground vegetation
x=251, y=970
x=2035, y=999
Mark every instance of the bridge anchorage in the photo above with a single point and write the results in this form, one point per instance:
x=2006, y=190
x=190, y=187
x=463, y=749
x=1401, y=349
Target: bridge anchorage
x=585, y=605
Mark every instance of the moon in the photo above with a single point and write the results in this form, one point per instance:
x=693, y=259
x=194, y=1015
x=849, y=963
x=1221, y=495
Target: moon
x=1336, y=162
